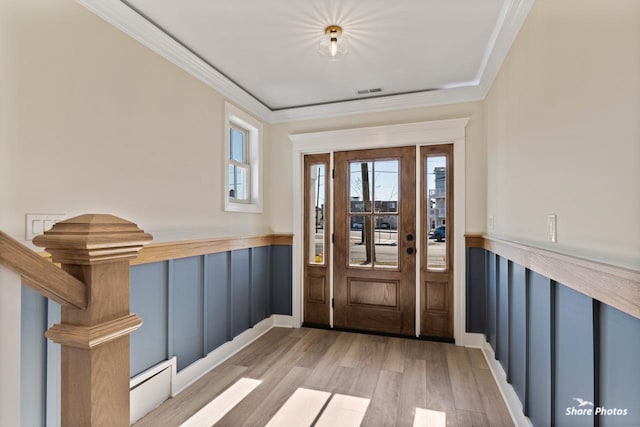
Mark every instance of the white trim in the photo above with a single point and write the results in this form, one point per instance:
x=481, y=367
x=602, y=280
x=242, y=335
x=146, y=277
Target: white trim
x=10, y=303
x=513, y=16
x=506, y=390
x=409, y=134
x=238, y=118
x=380, y=104
x=506, y=29
x=148, y=390
x=417, y=239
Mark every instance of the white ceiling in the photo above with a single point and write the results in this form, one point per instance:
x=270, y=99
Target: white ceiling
x=264, y=55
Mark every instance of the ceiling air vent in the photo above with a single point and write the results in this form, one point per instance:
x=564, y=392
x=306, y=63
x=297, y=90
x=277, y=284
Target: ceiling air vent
x=366, y=91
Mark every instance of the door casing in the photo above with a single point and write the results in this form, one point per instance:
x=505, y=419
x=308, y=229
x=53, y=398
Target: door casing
x=417, y=134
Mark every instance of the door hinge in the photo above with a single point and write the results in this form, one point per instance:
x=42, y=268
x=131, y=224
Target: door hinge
x=333, y=303
x=333, y=237
x=333, y=173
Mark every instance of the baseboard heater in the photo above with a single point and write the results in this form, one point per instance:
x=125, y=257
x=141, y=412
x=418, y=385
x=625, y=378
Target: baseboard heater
x=150, y=388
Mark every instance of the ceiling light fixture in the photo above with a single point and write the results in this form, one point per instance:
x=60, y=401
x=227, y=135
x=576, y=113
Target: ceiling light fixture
x=333, y=43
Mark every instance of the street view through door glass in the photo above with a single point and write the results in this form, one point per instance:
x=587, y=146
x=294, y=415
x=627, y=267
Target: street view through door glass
x=316, y=221
x=373, y=214
x=436, y=181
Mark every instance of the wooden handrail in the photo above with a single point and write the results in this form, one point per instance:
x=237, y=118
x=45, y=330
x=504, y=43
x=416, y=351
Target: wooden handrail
x=42, y=276
x=616, y=286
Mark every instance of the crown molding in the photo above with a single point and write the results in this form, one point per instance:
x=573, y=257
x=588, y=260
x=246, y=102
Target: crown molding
x=132, y=23
x=507, y=28
x=383, y=103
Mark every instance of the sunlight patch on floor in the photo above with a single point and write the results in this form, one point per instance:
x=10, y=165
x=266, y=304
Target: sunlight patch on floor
x=429, y=418
x=221, y=405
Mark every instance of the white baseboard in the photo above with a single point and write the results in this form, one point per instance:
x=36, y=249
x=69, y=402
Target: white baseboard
x=282, y=321
x=178, y=381
x=196, y=370
x=506, y=390
x=468, y=339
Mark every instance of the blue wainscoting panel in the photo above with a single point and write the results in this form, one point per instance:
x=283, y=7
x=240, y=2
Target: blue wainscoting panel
x=476, y=290
x=619, y=371
x=188, y=310
x=240, y=291
x=518, y=330
x=33, y=358
x=149, y=300
x=574, y=359
x=281, y=279
x=503, y=313
x=259, y=283
x=217, y=300
x=492, y=300
x=540, y=309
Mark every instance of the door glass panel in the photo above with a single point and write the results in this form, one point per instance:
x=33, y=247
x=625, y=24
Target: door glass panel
x=359, y=246
x=385, y=238
x=316, y=212
x=361, y=186
x=436, y=181
x=386, y=185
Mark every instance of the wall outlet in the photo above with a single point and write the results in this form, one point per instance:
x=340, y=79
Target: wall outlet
x=552, y=222
x=36, y=224
x=490, y=222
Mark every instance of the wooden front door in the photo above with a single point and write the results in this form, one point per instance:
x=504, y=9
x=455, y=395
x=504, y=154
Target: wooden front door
x=375, y=236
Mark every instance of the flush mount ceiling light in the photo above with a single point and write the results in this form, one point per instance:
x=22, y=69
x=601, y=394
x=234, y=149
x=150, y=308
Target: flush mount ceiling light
x=334, y=43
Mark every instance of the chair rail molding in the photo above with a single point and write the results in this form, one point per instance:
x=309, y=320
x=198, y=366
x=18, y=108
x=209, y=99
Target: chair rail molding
x=616, y=286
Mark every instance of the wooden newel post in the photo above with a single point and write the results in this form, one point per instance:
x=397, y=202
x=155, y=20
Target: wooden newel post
x=96, y=249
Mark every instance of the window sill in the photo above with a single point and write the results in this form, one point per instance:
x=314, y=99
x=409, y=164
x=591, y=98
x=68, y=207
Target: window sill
x=242, y=207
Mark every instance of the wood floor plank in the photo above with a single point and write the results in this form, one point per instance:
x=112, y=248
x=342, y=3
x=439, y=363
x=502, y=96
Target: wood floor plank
x=463, y=384
x=439, y=390
x=416, y=349
x=178, y=409
x=472, y=419
x=493, y=404
x=260, y=348
x=301, y=409
x=343, y=379
x=343, y=411
x=477, y=359
x=394, y=355
x=326, y=366
x=383, y=409
x=413, y=391
x=222, y=404
x=352, y=358
x=316, y=349
x=257, y=409
x=398, y=375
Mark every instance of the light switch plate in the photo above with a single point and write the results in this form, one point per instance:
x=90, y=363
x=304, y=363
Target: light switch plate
x=552, y=222
x=37, y=224
x=491, y=222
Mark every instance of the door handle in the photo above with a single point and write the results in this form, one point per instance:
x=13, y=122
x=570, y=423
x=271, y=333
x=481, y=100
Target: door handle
x=410, y=237
x=411, y=251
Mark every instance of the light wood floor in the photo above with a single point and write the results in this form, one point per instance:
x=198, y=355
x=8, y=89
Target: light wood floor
x=397, y=374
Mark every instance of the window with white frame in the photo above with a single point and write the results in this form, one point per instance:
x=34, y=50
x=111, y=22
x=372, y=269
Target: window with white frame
x=243, y=152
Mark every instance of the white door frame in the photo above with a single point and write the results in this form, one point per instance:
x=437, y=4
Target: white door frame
x=410, y=134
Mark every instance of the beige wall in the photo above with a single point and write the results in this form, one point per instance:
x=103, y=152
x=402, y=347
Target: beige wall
x=281, y=156
x=92, y=121
x=563, y=130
